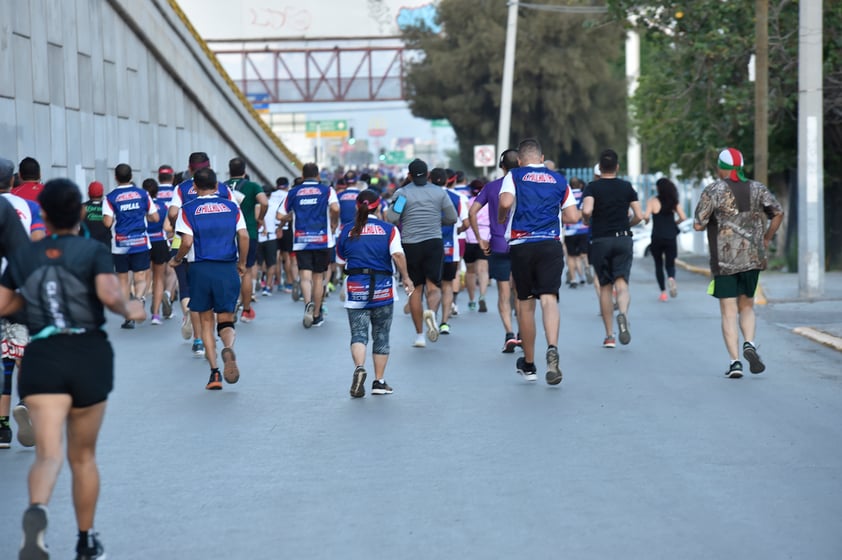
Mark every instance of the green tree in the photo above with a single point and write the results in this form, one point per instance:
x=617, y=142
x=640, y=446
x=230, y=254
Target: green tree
x=569, y=85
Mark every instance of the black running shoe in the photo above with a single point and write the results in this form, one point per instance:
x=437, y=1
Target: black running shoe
x=34, y=531
x=380, y=388
x=623, y=329
x=215, y=381
x=5, y=437
x=510, y=344
x=319, y=320
x=358, y=382
x=529, y=372
x=755, y=364
x=735, y=371
x=128, y=324
x=553, y=371
x=91, y=549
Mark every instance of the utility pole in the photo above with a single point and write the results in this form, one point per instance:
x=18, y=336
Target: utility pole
x=633, y=153
x=504, y=129
x=810, y=151
x=761, y=91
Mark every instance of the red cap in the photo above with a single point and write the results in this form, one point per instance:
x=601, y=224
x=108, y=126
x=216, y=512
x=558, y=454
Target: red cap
x=95, y=189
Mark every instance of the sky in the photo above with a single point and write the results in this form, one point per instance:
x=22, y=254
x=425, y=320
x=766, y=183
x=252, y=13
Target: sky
x=292, y=24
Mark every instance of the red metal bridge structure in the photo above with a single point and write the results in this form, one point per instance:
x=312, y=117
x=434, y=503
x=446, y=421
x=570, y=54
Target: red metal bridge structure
x=294, y=71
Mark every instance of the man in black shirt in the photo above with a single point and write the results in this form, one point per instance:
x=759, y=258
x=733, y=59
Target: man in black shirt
x=93, y=215
x=605, y=207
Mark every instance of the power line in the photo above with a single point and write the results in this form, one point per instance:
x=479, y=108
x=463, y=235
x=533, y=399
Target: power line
x=565, y=9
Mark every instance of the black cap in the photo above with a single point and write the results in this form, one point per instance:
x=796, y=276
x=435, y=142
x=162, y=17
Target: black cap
x=418, y=171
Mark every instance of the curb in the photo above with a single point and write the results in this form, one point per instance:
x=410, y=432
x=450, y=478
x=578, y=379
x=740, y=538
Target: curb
x=820, y=336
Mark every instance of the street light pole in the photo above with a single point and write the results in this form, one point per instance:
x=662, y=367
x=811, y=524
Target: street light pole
x=761, y=92
x=504, y=130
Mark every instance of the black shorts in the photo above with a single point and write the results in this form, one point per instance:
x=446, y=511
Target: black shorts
x=537, y=268
x=576, y=245
x=500, y=267
x=285, y=242
x=473, y=253
x=267, y=252
x=316, y=260
x=251, y=256
x=449, y=271
x=424, y=261
x=611, y=258
x=135, y=262
x=79, y=365
x=160, y=252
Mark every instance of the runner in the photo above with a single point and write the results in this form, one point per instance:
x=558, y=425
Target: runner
x=159, y=254
x=254, y=205
x=56, y=277
x=497, y=248
x=29, y=171
x=452, y=250
x=314, y=211
x=286, y=257
x=368, y=246
x=576, y=237
x=605, y=206
x=422, y=209
x=215, y=240
x=93, y=215
x=476, y=261
x=534, y=195
x=267, y=249
x=662, y=210
x=127, y=210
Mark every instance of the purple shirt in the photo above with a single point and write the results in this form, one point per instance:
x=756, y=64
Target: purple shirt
x=490, y=195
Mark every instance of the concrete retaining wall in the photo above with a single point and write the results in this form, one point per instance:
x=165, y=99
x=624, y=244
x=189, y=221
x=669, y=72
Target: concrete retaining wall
x=88, y=84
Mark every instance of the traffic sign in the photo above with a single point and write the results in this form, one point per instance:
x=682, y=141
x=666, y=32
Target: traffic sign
x=327, y=129
x=396, y=157
x=484, y=155
x=440, y=123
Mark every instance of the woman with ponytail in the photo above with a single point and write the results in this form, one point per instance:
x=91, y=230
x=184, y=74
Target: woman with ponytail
x=662, y=210
x=368, y=246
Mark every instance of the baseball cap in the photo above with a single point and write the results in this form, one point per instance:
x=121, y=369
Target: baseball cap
x=95, y=189
x=418, y=171
x=7, y=170
x=596, y=170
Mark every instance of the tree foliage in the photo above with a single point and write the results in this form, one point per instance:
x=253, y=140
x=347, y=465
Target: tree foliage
x=695, y=97
x=569, y=87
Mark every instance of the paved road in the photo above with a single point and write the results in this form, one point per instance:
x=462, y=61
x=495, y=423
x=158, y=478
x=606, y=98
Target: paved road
x=645, y=451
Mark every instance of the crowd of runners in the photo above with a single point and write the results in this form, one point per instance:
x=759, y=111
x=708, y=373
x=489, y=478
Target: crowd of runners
x=193, y=244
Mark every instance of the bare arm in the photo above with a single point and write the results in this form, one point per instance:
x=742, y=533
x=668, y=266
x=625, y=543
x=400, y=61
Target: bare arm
x=111, y=295
x=243, y=241
x=153, y=217
x=107, y=221
x=10, y=301
x=186, y=244
x=172, y=214
x=681, y=215
x=507, y=200
x=587, y=209
x=262, y=207
x=774, y=224
x=400, y=263
x=571, y=215
x=638, y=213
x=334, y=216
x=650, y=209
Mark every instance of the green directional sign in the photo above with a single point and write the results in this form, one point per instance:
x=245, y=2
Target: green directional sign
x=396, y=157
x=440, y=123
x=327, y=129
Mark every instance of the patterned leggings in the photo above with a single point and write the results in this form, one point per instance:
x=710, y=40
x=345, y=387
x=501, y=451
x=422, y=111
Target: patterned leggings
x=380, y=319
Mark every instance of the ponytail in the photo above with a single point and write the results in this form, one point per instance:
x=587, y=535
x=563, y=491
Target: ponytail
x=368, y=202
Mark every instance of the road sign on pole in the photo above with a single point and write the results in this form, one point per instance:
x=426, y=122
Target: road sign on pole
x=327, y=129
x=484, y=155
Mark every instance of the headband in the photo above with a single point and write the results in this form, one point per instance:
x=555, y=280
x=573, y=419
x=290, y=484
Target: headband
x=370, y=205
x=736, y=168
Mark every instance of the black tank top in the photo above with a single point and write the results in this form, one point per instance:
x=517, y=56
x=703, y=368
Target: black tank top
x=663, y=224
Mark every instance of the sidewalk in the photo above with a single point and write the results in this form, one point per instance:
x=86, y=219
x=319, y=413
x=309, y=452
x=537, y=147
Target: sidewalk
x=818, y=319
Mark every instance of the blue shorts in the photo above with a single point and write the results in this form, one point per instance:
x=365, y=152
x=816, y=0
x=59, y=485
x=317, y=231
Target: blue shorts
x=136, y=262
x=251, y=256
x=500, y=266
x=214, y=286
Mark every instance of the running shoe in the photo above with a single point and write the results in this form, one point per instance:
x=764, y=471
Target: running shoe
x=186, y=328
x=673, y=287
x=663, y=296
x=215, y=381
x=91, y=549
x=319, y=320
x=296, y=290
x=267, y=291
x=34, y=533
x=430, y=321
x=230, y=370
x=483, y=308
x=755, y=364
x=156, y=320
x=472, y=306
x=166, y=305
x=358, y=382
x=128, y=324
x=609, y=342
x=248, y=315
x=623, y=328
x=287, y=288
x=735, y=371
x=198, y=348
x=419, y=342
x=510, y=344
x=380, y=388
x=5, y=437
x=553, y=371
x=444, y=328
x=454, y=309
x=309, y=311
x=529, y=372
x=26, y=435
